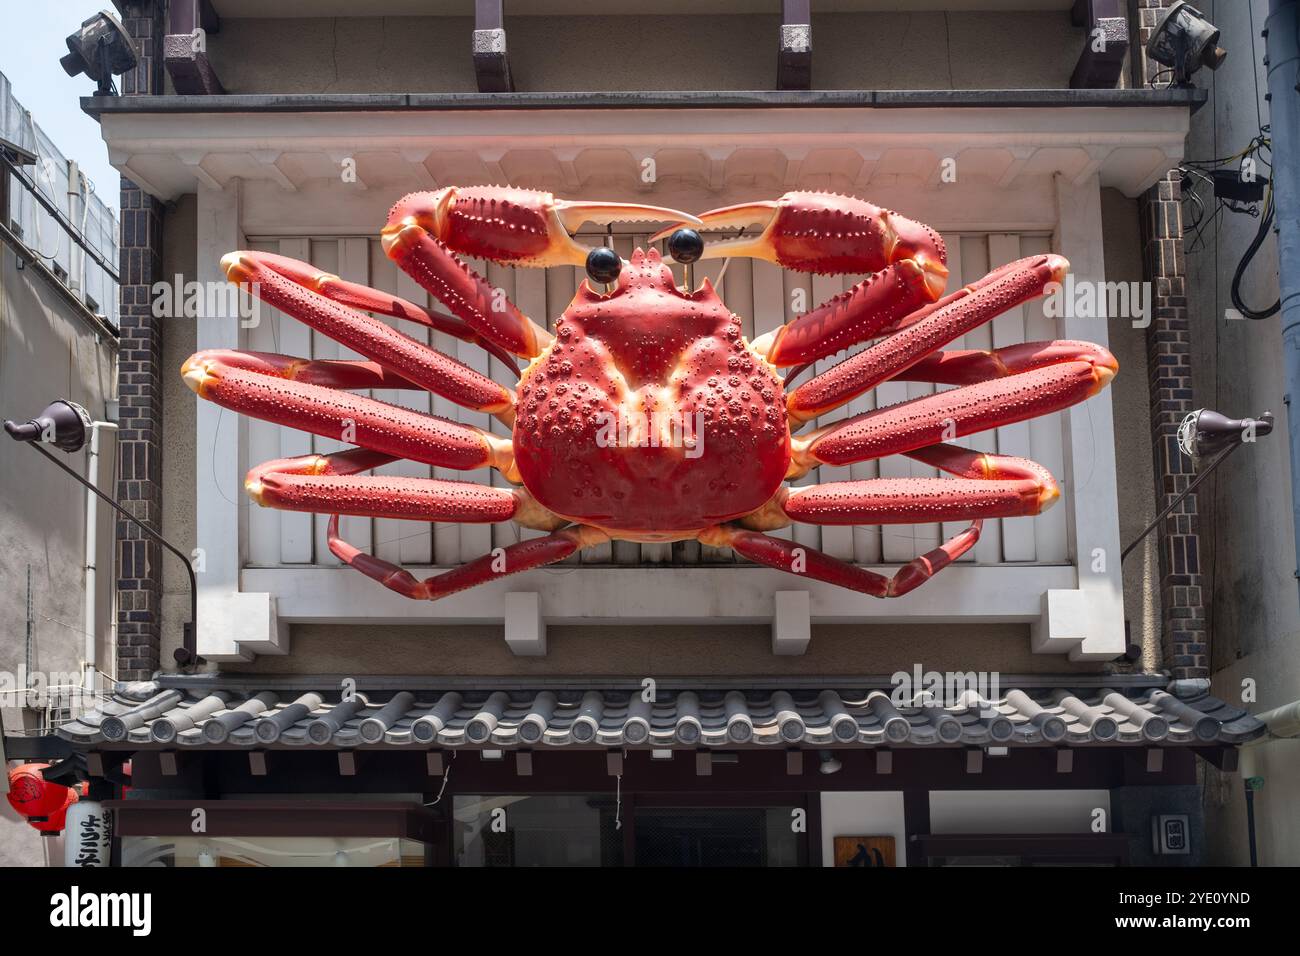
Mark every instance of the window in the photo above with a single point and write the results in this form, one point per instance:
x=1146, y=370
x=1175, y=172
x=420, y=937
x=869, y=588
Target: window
x=271, y=851
x=541, y=830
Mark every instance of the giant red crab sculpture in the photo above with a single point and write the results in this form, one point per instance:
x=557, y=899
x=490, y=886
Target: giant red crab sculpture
x=599, y=448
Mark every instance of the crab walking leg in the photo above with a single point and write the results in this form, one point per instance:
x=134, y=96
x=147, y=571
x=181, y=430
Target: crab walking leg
x=907, y=426
x=366, y=299
x=331, y=413
x=970, y=366
x=333, y=484
x=470, y=297
x=333, y=373
x=523, y=556
x=987, y=486
x=374, y=339
x=811, y=563
x=1023, y=280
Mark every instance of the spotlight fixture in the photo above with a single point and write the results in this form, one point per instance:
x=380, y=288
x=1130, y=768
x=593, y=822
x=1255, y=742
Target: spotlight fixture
x=101, y=49
x=67, y=426
x=829, y=764
x=1185, y=40
x=1205, y=432
x=1201, y=434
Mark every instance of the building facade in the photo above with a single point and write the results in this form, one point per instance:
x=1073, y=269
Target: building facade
x=58, y=316
x=660, y=703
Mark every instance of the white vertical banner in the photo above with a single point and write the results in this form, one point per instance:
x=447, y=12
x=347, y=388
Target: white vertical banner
x=87, y=834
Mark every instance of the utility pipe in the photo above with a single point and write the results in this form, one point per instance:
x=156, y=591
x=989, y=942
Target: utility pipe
x=1282, y=58
x=91, y=659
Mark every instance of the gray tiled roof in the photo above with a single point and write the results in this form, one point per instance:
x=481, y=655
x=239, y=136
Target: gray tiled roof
x=149, y=715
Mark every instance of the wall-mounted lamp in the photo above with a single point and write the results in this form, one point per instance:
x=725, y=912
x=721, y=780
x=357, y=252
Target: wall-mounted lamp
x=1201, y=434
x=68, y=426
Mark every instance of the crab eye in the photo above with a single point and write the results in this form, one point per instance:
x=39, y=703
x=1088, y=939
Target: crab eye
x=685, y=246
x=603, y=264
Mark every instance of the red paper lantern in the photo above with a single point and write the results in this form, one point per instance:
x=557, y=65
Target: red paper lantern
x=44, y=804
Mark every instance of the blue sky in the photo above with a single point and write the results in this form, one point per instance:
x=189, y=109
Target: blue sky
x=30, y=46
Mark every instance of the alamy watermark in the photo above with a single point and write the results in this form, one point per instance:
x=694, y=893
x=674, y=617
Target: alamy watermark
x=205, y=300
x=651, y=430
x=1084, y=299
x=920, y=687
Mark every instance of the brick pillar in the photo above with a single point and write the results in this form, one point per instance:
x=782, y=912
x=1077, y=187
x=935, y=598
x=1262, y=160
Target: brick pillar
x=139, y=488
x=1184, y=641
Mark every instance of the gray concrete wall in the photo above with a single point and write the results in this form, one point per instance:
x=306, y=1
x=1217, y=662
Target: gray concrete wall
x=1247, y=544
x=851, y=51
x=47, y=352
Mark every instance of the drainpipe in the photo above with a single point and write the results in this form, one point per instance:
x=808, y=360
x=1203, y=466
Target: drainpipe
x=1282, y=722
x=89, y=680
x=1282, y=59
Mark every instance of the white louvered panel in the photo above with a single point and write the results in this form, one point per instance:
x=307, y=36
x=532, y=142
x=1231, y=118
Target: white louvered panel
x=798, y=292
x=324, y=255
x=623, y=552
x=710, y=269
x=296, y=527
x=836, y=540
x=402, y=542
x=897, y=541
x=507, y=532
x=649, y=553
x=1046, y=438
x=956, y=279
x=974, y=264
x=1009, y=329
x=475, y=539
x=415, y=539
x=353, y=265
x=561, y=283
x=866, y=538
x=263, y=439
x=769, y=314
x=530, y=296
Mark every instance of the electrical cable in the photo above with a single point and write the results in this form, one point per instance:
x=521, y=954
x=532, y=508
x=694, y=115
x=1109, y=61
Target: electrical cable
x=1265, y=223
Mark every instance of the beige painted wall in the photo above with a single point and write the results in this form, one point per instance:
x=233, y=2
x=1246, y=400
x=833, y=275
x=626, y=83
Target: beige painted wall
x=1131, y=402
x=1247, y=542
x=850, y=51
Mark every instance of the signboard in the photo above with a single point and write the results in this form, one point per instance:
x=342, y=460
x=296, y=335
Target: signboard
x=864, y=851
x=87, y=834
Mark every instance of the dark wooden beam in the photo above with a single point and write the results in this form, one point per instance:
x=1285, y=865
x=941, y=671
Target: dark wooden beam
x=794, y=56
x=491, y=62
x=185, y=50
x=1105, y=46
x=1227, y=759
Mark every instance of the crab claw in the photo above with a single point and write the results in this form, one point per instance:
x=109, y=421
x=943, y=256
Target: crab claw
x=827, y=233
x=513, y=226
